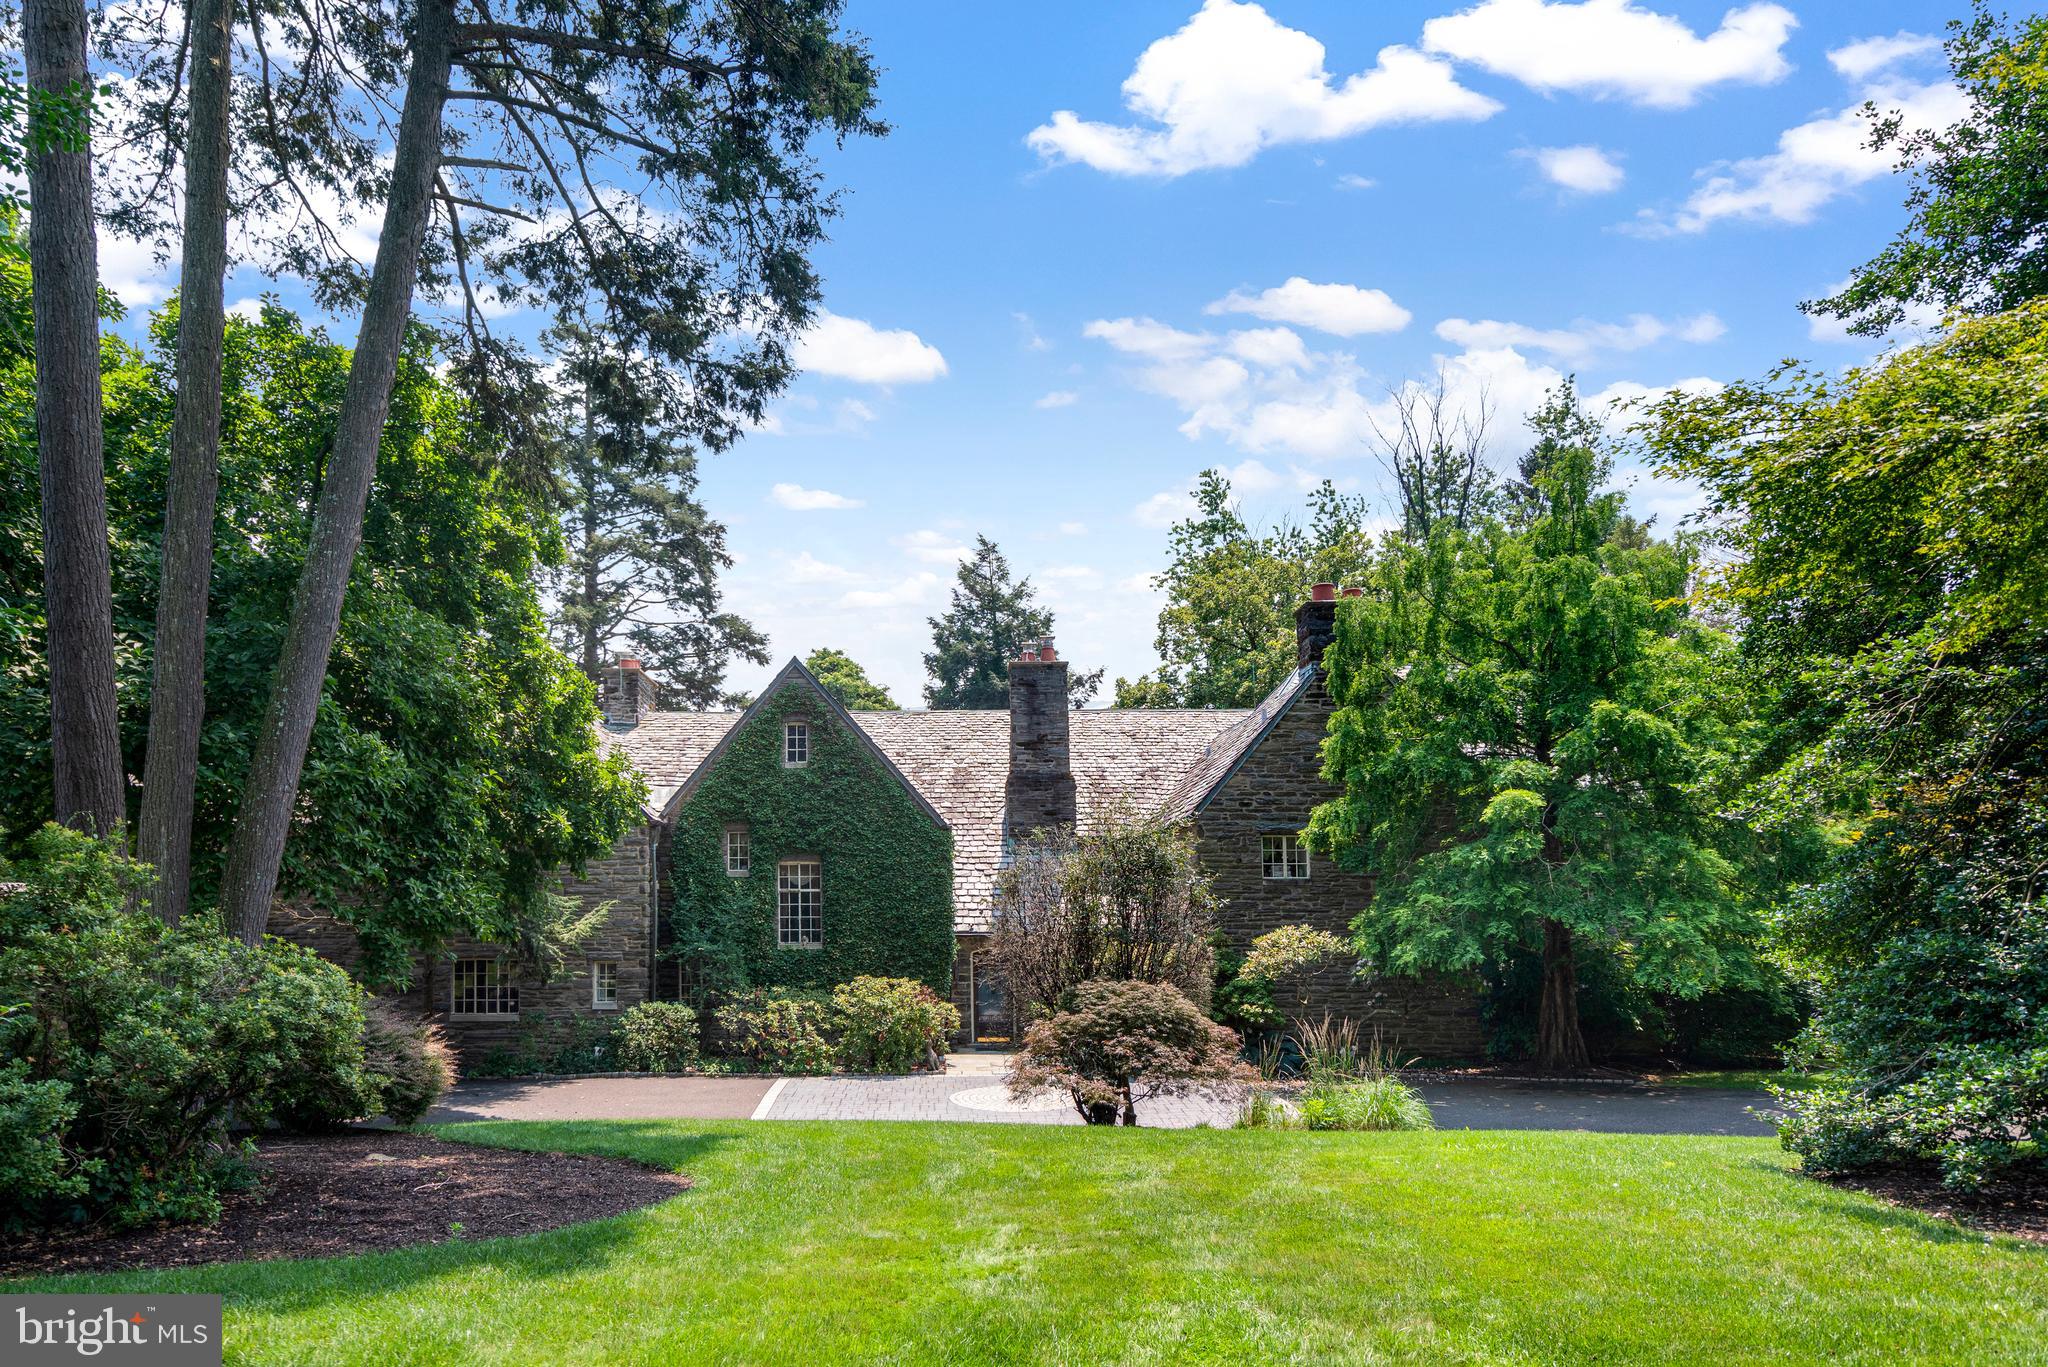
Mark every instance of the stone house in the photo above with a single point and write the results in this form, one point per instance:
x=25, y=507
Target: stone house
x=813, y=843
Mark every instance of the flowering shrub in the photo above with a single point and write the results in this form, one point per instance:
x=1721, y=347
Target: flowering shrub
x=891, y=1025
x=1294, y=952
x=1121, y=1037
x=778, y=1030
x=128, y=1045
x=658, y=1037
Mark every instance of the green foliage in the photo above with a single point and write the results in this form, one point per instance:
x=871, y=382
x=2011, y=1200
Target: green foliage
x=779, y=1030
x=1531, y=735
x=1976, y=235
x=987, y=624
x=454, y=763
x=1236, y=1000
x=1887, y=534
x=552, y=1045
x=643, y=557
x=658, y=1037
x=1293, y=952
x=1128, y=901
x=129, y=1045
x=1382, y=1103
x=1120, y=1040
x=1226, y=632
x=887, y=865
x=841, y=675
x=891, y=1025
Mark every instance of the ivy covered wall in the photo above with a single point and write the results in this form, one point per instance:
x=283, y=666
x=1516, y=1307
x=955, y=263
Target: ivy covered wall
x=886, y=864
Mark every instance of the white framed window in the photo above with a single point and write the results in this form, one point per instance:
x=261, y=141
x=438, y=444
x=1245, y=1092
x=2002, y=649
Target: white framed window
x=1283, y=856
x=483, y=987
x=739, y=852
x=799, y=904
x=604, y=985
x=796, y=743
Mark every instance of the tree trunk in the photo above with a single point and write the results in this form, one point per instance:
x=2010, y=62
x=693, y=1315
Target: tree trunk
x=85, y=732
x=1560, y=1045
x=177, y=700
x=271, y=790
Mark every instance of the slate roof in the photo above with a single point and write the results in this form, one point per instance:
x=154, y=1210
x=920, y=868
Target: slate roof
x=1141, y=760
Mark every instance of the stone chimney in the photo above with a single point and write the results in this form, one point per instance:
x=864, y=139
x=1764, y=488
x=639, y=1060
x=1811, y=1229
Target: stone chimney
x=625, y=693
x=1315, y=624
x=1040, y=790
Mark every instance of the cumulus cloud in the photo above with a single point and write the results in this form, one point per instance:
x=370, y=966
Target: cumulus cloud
x=1352, y=181
x=850, y=349
x=1584, y=169
x=917, y=588
x=1615, y=49
x=1234, y=81
x=1815, y=163
x=1583, y=340
x=1164, y=509
x=936, y=548
x=805, y=568
x=1275, y=347
x=1866, y=57
x=1345, y=310
x=1073, y=529
x=1058, y=398
x=798, y=499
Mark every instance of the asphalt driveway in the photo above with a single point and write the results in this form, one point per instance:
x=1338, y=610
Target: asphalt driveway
x=1464, y=1103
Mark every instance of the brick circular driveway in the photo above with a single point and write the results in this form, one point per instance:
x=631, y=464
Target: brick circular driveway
x=1466, y=1103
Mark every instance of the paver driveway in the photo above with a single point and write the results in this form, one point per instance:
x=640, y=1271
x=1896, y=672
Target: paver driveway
x=1478, y=1104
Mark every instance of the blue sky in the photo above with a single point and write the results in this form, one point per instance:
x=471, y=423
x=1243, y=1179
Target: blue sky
x=1108, y=246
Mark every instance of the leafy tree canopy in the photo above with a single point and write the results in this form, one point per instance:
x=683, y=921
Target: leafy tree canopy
x=1543, y=697
x=1226, y=633
x=454, y=764
x=841, y=676
x=987, y=624
x=1976, y=236
x=1887, y=548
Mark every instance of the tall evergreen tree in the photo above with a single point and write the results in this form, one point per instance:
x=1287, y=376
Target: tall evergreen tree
x=643, y=555
x=1543, y=697
x=987, y=624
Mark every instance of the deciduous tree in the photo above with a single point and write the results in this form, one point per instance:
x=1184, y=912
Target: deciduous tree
x=842, y=677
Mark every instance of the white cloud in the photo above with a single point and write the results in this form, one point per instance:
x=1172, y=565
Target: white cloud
x=1814, y=163
x=1583, y=340
x=1270, y=347
x=798, y=499
x=918, y=588
x=1920, y=320
x=1145, y=581
x=250, y=310
x=806, y=568
x=1164, y=509
x=1586, y=169
x=850, y=349
x=130, y=271
x=1352, y=181
x=1615, y=48
x=1233, y=82
x=1082, y=573
x=1029, y=329
x=1144, y=337
x=1058, y=398
x=1073, y=529
x=1345, y=310
x=1866, y=57
x=936, y=548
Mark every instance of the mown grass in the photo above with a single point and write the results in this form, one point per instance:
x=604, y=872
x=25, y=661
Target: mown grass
x=889, y=1242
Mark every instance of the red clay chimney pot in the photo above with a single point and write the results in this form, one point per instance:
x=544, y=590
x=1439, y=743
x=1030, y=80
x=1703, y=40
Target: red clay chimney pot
x=1354, y=593
x=1322, y=593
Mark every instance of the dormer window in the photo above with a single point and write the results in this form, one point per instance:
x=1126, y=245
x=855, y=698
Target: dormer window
x=796, y=743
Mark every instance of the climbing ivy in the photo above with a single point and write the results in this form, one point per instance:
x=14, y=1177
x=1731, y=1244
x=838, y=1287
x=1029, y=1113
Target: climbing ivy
x=886, y=864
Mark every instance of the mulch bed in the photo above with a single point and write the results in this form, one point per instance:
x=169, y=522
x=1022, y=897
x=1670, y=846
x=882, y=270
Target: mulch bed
x=363, y=1191
x=2015, y=1206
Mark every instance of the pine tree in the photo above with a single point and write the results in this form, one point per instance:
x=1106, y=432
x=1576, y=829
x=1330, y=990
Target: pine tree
x=644, y=557
x=989, y=621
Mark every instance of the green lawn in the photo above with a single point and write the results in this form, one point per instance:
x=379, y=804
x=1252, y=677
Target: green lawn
x=817, y=1243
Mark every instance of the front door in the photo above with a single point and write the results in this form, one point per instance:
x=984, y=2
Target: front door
x=994, y=1023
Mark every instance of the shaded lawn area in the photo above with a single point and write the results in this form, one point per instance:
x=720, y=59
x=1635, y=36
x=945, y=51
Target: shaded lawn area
x=831, y=1241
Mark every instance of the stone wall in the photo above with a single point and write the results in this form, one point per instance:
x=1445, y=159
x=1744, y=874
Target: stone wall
x=625, y=877
x=1273, y=792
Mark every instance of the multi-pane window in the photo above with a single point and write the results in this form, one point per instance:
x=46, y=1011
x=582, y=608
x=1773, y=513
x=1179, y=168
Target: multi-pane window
x=484, y=987
x=739, y=854
x=604, y=985
x=1283, y=856
x=796, y=744
x=799, y=903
